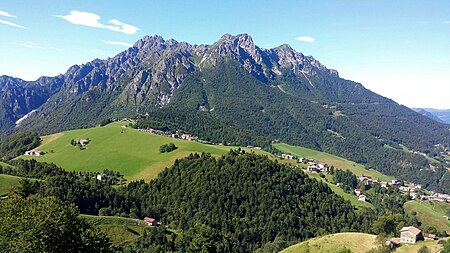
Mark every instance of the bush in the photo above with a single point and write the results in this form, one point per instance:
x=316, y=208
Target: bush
x=424, y=249
x=167, y=148
x=105, y=122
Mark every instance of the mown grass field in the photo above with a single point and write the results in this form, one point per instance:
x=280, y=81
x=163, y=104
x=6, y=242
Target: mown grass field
x=337, y=162
x=430, y=213
x=7, y=182
x=356, y=242
x=133, y=153
x=119, y=230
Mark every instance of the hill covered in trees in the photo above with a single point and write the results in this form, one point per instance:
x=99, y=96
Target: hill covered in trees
x=235, y=203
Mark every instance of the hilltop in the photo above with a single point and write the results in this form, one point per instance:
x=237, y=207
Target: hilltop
x=356, y=242
x=133, y=153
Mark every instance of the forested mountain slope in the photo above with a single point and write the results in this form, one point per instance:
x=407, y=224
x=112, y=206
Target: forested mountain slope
x=236, y=92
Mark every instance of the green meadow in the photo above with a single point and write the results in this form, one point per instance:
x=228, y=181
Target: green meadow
x=337, y=162
x=133, y=153
x=7, y=182
x=430, y=213
x=356, y=242
x=119, y=230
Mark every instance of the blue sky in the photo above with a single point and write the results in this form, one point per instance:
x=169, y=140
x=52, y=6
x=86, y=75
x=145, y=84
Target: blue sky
x=399, y=49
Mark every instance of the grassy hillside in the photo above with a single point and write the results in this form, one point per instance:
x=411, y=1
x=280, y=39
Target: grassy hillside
x=433, y=246
x=337, y=162
x=119, y=230
x=356, y=242
x=430, y=213
x=129, y=151
x=7, y=182
x=339, y=191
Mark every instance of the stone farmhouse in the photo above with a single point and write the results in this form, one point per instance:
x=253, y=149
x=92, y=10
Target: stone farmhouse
x=410, y=235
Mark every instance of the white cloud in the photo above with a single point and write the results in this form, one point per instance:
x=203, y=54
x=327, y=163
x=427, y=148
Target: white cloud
x=6, y=14
x=306, y=39
x=29, y=44
x=92, y=20
x=118, y=43
x=12, y=24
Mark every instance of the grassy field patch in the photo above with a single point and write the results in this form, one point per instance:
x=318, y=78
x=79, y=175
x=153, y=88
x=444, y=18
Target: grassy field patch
x=133, y=153
x=119, y=230
x=337, y=162
x=7, y=182
x=430, y=213
x=356, y=242
x=339, y=191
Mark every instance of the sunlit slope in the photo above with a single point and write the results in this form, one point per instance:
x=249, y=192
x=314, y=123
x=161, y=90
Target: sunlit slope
x=337, y=162
x=133, y=153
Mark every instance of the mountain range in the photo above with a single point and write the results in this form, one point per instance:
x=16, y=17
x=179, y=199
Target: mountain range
x=440, y=115
x=234, y=92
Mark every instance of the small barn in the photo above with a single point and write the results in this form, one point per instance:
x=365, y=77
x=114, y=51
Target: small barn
x=150, y=221
x=34, y=153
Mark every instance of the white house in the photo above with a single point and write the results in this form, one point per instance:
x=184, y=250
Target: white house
x=362, y=198
x=287, y=156
x=101, y=176
x=34, y=153
x=410, y=235
x=358, y=191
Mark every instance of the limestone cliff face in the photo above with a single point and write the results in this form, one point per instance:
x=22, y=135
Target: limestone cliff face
x=146, y=75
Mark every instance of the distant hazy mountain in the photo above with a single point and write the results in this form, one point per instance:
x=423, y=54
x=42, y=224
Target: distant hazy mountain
x=232, y=92
x=431, y=115
x=442, y=114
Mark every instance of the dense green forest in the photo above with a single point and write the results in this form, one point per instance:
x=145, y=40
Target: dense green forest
x=246, y=200
x=43, y=224
x=235, y=203
x=227, y=105
x=17, y=144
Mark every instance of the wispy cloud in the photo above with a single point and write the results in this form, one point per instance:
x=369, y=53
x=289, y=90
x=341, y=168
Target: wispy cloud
x=34, y=45
x=93, y=20
x=12, y=24
x=29, y=44
x=306, y=39
x=118, y=43
x=6, y=14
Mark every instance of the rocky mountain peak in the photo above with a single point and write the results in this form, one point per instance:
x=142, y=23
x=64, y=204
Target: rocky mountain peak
x=236, y=44
x=155, y=41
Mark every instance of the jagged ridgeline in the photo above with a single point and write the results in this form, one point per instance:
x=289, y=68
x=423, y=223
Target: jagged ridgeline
x=241, y=202
x=233, y=92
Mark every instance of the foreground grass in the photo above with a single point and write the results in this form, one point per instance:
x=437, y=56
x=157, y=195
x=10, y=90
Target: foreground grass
x=430, y=213
x=337, y=162
x=119, y=230
x=433, y=246
x=7, y=182
x=133, y=153
x=356, y=242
